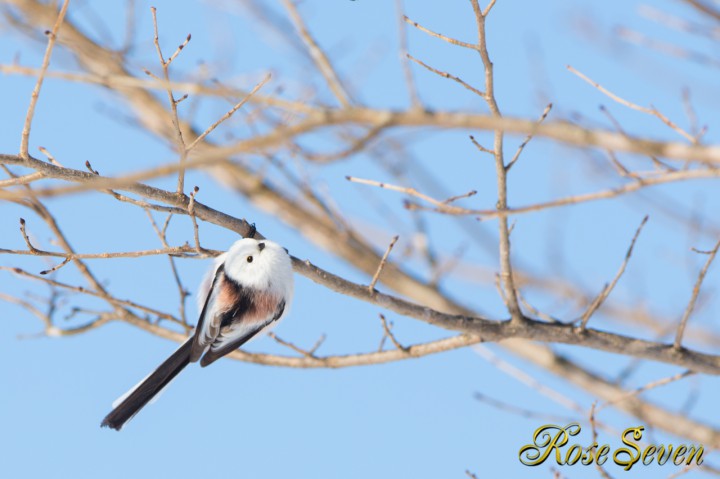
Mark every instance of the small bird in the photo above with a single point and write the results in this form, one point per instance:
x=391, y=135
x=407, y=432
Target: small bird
x=247, y=292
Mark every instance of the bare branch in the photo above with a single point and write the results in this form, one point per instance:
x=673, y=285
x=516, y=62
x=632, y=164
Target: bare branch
x=31, y=248
x=609, y=287
x=191, y=212
x=480, y=147
x=52, y=37
x=528, y=138
x=650, y=111
x=646, y=387
x=693, y=298
x=21, y=180
x=376, y=276
x=452, y=41
x=407, y=71
x=389, y=334
x=447, y=75
x=490, y=330
x=318, y=55
x=282, y=130
x=442, y=206
x=185, y=251
x=173, y=102
x=501, y=170
x=230, y=113
x=593, y=426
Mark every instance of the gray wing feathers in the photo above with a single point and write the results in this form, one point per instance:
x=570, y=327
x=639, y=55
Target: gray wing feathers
x=207, y=328
x=244, y=335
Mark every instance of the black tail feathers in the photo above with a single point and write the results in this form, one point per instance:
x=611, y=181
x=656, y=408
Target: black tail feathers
x=148, y=388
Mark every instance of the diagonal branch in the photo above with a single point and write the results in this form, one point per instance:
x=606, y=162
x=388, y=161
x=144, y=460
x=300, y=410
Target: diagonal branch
x=318, y=56
x=52, y=37
x=488, y=329
x=694, y=296
x=600, y=299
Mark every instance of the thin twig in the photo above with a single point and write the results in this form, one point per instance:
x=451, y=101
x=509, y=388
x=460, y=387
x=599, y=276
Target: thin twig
x=376, y=276
x=415, y=101
x=455, y=198
x=527, y=379
x=520, y=411
x=173, y=102
x=31, y=248
x=443, y=206
x=389, y=334
x=56, y=267
x=528, y=138
x=447, y=75
x=650, y=111
x=703, y=7
x=185, y=251
x=693, y=298
x=230, y=113
x=317, y=344
x=638, y=184
x=318, y=55
x=690, y=113
x=191, y=212
x=646, y=387
x=480, y=147
x=658, y=164
x=304, y=352
x=593, y=427
x=21, y=180
x=182, y=292
x=452, y=41
x=52, y=38
x=666, y=48
x=609, y=287
x=146, y=205
x=115, y=81
x=98, y=294
x=536, y=312
x=357, y=145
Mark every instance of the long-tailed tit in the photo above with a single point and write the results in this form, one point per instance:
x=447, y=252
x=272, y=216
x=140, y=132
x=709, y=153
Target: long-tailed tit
x=246, y=293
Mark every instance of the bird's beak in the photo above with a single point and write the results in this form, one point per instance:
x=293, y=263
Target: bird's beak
x=261, y=246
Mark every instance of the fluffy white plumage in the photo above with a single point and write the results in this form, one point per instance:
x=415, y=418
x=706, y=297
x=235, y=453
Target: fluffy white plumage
x=256, y=279
x=246, y=293
x=275, y=267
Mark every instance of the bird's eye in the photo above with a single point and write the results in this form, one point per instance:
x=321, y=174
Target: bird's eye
x=249, y=259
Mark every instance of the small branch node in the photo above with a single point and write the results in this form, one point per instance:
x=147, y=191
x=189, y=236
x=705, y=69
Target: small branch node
x=57, y=267
x=480, y=147
x=191, y=213
x=26, y=238
x=90, y=168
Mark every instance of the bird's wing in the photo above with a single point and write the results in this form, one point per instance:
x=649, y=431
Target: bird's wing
x=242, y=327
x=215, y=307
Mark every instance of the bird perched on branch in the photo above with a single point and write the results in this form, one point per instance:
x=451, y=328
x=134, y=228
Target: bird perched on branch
x=247, y=292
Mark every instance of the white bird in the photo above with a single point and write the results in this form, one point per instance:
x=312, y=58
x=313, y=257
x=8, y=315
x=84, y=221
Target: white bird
x=247, y=292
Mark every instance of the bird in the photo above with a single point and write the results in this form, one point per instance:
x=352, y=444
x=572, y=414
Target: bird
x=247, y=292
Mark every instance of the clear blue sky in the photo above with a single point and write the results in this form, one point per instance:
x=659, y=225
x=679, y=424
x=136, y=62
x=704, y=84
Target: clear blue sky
x=415, y=418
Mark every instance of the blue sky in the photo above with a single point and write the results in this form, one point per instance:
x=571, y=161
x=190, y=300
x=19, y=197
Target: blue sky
x=416, y=418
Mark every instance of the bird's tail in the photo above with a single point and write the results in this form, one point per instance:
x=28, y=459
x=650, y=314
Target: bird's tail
x=134, y=400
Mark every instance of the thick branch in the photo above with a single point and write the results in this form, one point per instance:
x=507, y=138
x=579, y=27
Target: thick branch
x=488, y=329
